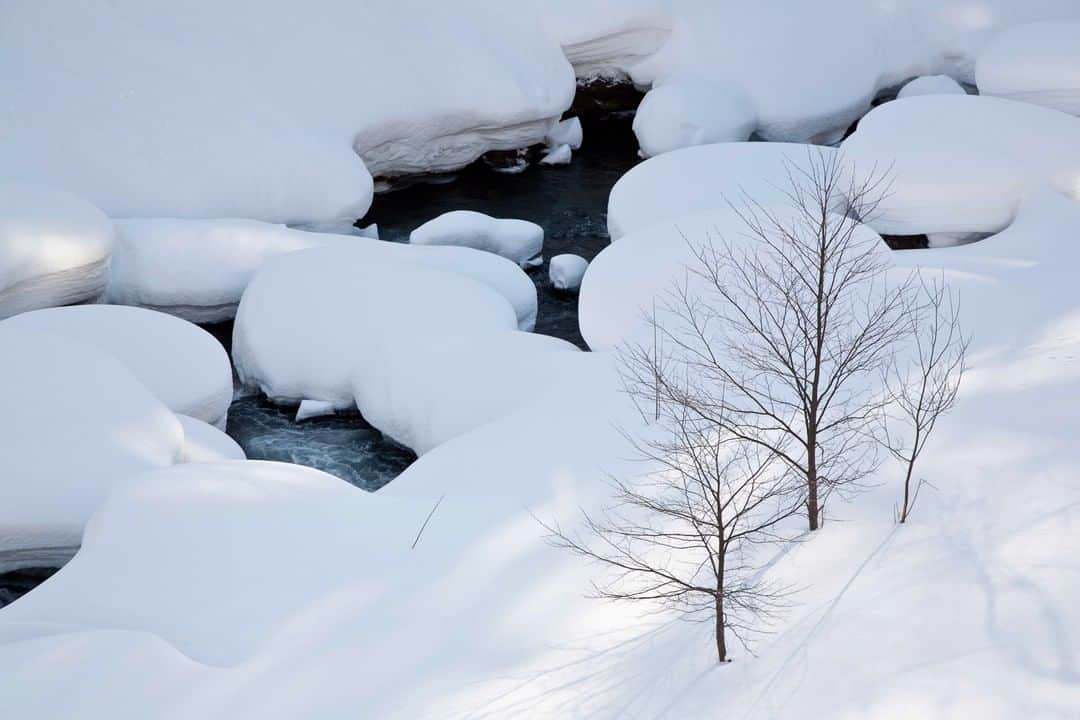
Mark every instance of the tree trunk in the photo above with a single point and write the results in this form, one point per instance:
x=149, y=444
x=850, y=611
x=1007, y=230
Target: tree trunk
x=812, y=509
x=721, y=645
x=907, y=493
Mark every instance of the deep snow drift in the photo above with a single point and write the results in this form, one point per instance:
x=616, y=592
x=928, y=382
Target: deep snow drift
x=54, y=248
x=1037, y=63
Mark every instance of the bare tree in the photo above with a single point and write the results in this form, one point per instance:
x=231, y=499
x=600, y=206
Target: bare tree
x=794, y=317
x=683, y=534
x=921, y=391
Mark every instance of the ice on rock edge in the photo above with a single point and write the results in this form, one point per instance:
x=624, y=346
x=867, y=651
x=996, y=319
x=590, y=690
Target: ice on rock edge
x=566, y=271
x=518, y=240
x=77, y=424
x=310, y=319
x=1038, y=63
x=312, y=409
x=182, y=364
x=54, y=248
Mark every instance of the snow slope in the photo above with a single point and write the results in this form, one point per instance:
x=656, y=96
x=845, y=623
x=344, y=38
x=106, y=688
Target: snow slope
x=1037, y=63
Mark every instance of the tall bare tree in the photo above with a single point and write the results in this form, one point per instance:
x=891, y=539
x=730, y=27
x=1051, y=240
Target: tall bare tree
x=684, y=533
x=795, y=318
x=924, y=388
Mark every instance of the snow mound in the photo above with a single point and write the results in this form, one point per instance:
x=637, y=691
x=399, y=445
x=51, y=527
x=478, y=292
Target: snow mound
x=517, y=240
x=309, y=319
x=961, y=164
x=558, y=155
x=204, y=443
x=54, y=248
x=182, y=364
x=1038, y=63
x=566, y=132
x=605, y=39
x=931, y=85
x=566, y=271
x=425, y=392
x=683, y=113
x=633, y=278
x=701, y=178
x=271, y=537
x=195, y=269
x=237, y=128
x=75, y=423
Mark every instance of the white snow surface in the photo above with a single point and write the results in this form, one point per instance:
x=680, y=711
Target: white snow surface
x=567, y=270
x=962, y=164
x=566, y=132
x=701, y=178
x=310, y=319
x=198, y=112
x=54, y=248
x=1037, y=63
x=517, y=240
x=425, y=392
x=76, y=421
x=313, y=409
x=683, y=113
x=182, y=364
x=558, y=155
x=931, y=85
x=205, y=443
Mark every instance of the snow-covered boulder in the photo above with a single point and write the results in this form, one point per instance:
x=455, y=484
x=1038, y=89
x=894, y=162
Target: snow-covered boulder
x=687, y=112
x=558, y=155
x=196, y=269
x=427, y=391
x=960, y=165
x=310, y=319
x=633, y=279
x=702, y=178
x=182, y=364
x=75, y=423
x=931, y=85
x=605, y=39
x=566, y=132
x=566, y=271
x=54, y=248
x=213, y=557
x=1038, y=63
x=205, y=443
x=518, y=240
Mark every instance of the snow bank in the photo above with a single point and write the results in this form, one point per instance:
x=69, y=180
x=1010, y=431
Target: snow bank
x=195, y=269
x=204, y=443
x=237, y=128
x=683, y=113
x=1037, y=63
x=75, y=423
x=605, y=39
x=309, y=319
x=427, y=391
x=961, y=164
x=54, y=248
x=566, y=271
x=931, y=85
x=702, y=178
x=517, y=240
x=182, y=364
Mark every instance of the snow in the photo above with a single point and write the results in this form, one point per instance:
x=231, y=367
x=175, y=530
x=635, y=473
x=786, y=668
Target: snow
x=931, y=85
x=201, y=114
x=75, y=423
x=961, y=164
x=425, y=392
x=566, y=132
x=558, y=155
x=700, y=178
x=683, y=113
x=182, y=364
x=54, y=248
x=566, y=271
x=196, y=269
x=205, y=443
x=310, y=319
x=313, y=408
x=1038, y=63
x=605, y=39
x=517, y=240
